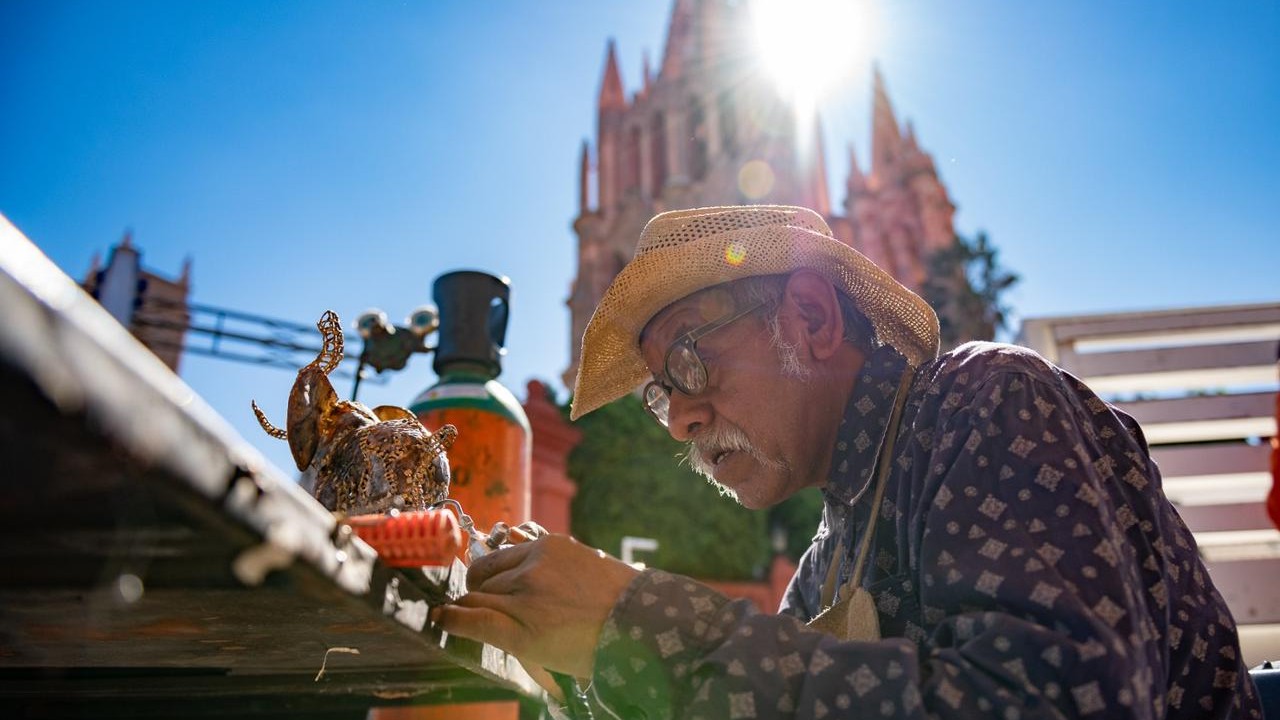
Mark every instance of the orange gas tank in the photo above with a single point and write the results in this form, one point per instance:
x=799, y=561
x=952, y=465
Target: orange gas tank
x=490, y=460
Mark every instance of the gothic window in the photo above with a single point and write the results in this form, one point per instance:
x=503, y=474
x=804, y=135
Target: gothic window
x=658, y=153
x=697, y=139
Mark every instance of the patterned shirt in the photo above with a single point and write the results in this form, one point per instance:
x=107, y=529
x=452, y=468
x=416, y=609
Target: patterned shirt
x=1026, y=564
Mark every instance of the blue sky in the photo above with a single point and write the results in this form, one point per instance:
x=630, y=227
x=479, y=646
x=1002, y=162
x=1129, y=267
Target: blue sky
x=313, y=155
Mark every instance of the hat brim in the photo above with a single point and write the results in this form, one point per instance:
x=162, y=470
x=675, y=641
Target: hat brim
x=610, y=364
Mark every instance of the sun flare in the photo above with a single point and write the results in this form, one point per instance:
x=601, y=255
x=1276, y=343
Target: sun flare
x=808, y=46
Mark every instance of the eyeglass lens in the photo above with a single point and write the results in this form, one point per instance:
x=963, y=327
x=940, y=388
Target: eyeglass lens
x=658, y=402
x=685, y=368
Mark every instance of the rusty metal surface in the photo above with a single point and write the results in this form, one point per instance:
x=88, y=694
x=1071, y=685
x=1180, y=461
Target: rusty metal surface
x=149, y=553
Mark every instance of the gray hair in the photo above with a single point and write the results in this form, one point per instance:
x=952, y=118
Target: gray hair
x=767, y=290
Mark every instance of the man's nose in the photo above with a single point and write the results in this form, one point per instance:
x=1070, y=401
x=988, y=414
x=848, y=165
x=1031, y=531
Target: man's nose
x=687, y=415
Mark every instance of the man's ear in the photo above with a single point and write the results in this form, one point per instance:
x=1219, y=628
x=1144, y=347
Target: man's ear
x=811, y=299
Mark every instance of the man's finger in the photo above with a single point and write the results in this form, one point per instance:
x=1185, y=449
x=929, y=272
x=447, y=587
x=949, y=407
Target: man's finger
x=505, y=582
x=519, y=535
x=532, y=529
x=477, y=622
x=497, y=602
x=495, y=562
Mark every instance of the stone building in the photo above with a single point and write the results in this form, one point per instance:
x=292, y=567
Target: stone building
x=153, y=307
x=710, y=129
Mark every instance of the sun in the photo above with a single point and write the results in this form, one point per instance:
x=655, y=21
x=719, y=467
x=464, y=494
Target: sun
x=807, y=46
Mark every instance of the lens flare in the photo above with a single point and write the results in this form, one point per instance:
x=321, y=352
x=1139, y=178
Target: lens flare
x=734, y=254
x=755, y=179
x=130, y=588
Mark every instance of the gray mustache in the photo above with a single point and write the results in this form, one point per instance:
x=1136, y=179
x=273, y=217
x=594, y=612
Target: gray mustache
x=721, y=438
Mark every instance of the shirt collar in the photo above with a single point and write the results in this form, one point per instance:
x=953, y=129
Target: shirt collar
x=863, y=427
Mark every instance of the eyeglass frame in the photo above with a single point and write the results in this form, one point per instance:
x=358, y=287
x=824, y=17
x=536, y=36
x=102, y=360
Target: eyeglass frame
x=689, y=339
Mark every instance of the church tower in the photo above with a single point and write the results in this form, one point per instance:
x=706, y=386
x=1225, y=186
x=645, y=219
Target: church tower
x=711, y=129
x=899, y=213
x=153, y=307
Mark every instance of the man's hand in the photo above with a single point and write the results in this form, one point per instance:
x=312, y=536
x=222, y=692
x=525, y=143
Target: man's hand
x=543, y=601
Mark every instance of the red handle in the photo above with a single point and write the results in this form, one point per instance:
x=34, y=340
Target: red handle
x=411, y=539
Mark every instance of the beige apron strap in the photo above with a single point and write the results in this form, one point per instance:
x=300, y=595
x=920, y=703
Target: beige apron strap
x=884, y=465
x=853, y=615
x=833, y=573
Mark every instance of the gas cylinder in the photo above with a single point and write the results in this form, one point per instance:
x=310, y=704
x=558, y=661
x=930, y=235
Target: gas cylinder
x=490, y=460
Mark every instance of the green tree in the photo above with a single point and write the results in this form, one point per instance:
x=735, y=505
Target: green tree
x=796, y=521
x=965, y=286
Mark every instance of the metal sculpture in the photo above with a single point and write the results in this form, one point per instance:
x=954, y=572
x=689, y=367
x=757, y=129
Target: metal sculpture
x=357, y=460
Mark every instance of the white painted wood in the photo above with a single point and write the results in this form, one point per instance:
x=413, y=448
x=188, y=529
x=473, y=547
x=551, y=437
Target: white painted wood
x=1067, y=329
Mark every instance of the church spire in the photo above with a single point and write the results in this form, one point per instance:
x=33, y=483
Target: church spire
x=885, y=138
x=911, y=137
x=818, y=178
x=679, y=36
x=857, y=182
x=611, y=95
x=584, y=172
x=648, y=75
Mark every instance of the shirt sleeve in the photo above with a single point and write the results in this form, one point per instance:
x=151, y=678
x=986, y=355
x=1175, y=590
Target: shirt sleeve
x=1032, y=540
x=674, y=648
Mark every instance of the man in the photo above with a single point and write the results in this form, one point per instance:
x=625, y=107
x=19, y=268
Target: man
x=995, y=541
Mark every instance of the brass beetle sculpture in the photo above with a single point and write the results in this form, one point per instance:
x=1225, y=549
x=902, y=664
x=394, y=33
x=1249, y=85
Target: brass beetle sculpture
x=358, y=460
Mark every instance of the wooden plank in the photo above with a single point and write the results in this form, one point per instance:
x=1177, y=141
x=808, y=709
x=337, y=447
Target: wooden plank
x=1209, y=430
x=1217, y=459
x=1218, y=518
x=1065, y=330
x=1113, y=386
x=1259, y=642
x=261, y=630
x=1250, y=587
x=1038, y=334
x=1206, y=407
x=152, y=693
x=1261, y=353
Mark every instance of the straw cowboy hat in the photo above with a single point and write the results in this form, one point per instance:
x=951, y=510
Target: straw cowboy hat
x=684, y=251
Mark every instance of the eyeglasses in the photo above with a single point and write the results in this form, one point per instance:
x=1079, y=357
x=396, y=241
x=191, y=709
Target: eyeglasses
x=683, y=368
